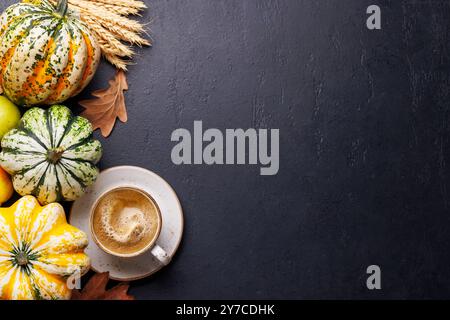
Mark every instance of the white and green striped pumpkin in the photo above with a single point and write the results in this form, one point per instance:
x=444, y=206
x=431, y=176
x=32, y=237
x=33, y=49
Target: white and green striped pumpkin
x=51, y=155
x=47, y=54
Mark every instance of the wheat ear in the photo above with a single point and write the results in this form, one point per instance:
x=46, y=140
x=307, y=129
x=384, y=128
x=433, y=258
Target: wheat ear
x=125, y=3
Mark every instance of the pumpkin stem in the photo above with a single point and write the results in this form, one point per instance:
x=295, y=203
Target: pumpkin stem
x=54, y=155
x=22, y=259
x=62, y=7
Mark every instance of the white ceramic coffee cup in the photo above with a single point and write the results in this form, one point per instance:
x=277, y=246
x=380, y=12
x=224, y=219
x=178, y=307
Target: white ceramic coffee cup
x=157, y=251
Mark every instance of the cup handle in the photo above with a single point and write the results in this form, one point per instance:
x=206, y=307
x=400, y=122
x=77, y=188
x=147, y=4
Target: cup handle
x=161, y=255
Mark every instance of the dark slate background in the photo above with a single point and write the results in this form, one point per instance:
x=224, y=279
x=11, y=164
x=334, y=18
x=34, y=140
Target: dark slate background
x=363, y=118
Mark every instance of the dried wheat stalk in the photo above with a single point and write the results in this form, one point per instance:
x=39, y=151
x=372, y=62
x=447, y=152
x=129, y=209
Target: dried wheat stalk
x=90, y=8
x=123, y=11
x=116, y=61
x=109, y=22
x=109, y=42
x=125, y=3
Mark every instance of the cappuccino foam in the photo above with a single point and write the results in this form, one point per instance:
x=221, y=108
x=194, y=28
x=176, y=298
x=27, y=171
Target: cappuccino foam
x=125, y=221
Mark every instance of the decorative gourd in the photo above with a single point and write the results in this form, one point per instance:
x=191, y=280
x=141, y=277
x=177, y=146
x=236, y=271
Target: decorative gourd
x=47, y=54
x=39, y=251
x=51, y=155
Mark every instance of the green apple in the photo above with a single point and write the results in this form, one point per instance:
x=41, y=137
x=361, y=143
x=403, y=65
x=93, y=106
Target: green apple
x=9, y=116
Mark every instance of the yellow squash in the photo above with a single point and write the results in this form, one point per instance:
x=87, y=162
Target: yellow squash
x=39, y=251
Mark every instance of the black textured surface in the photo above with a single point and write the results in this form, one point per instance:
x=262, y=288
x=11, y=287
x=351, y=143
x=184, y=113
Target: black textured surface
x=363, y=118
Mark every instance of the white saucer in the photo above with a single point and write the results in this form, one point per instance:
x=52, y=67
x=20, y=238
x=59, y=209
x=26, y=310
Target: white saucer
x=128, y=269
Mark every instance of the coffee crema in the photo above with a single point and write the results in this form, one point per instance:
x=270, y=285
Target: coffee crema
x=125, y=221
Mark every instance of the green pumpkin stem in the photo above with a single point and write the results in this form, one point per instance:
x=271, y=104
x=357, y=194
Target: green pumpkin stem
x=62, y=7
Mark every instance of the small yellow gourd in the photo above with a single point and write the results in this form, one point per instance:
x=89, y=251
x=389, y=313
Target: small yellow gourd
x=39, y=251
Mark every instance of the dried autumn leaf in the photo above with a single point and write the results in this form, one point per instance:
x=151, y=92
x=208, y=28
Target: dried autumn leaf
x=95, y=289
x=109, y=105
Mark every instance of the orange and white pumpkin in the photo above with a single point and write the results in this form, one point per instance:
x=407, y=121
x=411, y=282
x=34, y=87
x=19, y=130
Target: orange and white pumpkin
x=47, y=54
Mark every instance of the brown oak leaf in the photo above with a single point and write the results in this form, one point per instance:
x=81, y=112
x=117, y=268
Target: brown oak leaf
x=109, y=105
x=95, y=289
